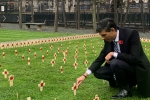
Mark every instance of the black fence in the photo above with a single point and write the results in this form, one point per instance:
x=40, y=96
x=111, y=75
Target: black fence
x=134, y=20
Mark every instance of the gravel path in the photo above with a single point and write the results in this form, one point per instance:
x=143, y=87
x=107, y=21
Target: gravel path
x=62, y=30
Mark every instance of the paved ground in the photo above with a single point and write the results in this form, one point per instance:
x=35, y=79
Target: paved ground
x=62, y=30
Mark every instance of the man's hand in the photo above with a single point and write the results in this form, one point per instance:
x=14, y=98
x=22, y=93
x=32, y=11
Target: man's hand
x=80, y=80
x=108, y=57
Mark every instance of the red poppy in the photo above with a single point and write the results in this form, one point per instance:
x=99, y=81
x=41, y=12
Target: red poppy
x=120, y=42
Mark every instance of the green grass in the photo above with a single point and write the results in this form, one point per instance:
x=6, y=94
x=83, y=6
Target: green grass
x=57, y=85
x=13, y=35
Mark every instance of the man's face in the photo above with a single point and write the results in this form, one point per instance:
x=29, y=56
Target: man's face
x=108, y=36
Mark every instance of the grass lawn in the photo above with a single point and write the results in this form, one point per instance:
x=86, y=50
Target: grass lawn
x=57, y=85
x=13, y=35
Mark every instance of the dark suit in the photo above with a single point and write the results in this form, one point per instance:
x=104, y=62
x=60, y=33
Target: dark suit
x=131, y=53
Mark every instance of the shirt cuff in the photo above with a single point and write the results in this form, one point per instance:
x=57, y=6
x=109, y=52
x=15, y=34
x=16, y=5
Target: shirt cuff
x=115, y=54
x=88, y=72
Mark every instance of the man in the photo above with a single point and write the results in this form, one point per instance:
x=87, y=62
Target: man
x=126, y=64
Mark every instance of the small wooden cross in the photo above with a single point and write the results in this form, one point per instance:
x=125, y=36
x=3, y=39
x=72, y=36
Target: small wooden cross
x=86, y=62
x=76, y=52
x=55, y=55
x=58, y=50
x=145, y=47
x=34, y=54
x=28, y=60
x=86, y=54
x=75, y=65
x=11, y=79
x=74, y=88
x=51, y=47
x=65, y=53
x=41, y=85
x=29, y=51
x=17, y=95
x=53, y=62
x=3, y=55
x=61, y=45
x=42, y=58
x=64, y=59
x=47, y=52
x=96, y=97
x=76, y=46
x=84, y=49
x=61, y=69
x=95, y=53
x=93, y=48
x=67, y=48
x=69, y=43
x=101, y=46
x=28, y=98
x=22, y=57
x=75, y=57
x=5, y=73
x=16, y=52
x=40, y=48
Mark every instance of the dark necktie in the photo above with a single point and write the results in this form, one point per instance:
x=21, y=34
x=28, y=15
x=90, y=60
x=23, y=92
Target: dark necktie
x=115, y=47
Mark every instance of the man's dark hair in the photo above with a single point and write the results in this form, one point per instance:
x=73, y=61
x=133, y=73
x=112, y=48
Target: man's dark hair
x=106, y=24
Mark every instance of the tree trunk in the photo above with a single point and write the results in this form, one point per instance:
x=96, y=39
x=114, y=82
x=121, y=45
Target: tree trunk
x=32, y=12
x=142, y=15
x=78, y=15
x=94, y=15
x=127, y=11
x=121, y=13
x=98, y=8
x=56, y=16
x=115, y=12
x=20, y=14
x=64, y=14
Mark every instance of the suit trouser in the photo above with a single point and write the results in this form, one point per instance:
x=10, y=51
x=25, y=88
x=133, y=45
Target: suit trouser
x=119, y=72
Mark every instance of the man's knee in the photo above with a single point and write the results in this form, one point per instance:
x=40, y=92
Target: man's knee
x=114, y=63
x=96, y=75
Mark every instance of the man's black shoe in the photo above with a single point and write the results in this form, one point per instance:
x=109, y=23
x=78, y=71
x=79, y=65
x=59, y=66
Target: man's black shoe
x=122, y=94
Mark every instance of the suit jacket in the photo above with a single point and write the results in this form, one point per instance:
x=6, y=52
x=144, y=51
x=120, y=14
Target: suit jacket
x=132, y=53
